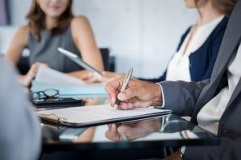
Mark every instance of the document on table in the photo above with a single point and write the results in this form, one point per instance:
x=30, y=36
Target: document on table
x=99, y=114
x=51, y=76
x=72, y=91
x=68, y=86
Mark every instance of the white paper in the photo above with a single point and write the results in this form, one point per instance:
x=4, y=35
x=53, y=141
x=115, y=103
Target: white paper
x=92, y=114
x=51, y=76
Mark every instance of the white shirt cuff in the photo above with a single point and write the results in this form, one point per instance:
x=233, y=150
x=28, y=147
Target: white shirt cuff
x=163, y=97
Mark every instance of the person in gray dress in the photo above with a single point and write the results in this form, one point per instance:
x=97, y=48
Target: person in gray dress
x=213, y=104
x=20, y=136
x=52, y=25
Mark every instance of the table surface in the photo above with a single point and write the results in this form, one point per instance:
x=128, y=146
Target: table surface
x=150, y=133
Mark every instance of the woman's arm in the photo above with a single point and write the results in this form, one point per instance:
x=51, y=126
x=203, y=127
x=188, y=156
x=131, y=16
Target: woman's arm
x=18, y=44
x=14, y=53
x=84, y=39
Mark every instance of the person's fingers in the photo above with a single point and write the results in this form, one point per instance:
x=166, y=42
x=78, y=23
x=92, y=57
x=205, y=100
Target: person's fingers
x=112, y=89
x=109, y=126
x=130, y=132
x=91, y=77
x=32, y=72
x=105, y=73
x=130, y=93
x=87, y=75
x=26, y=80
x=112, y=133
x=39, y=64
x=133, y=96
x=108, y=74
x=111, y=100
x=34, y=68
x=131, y=105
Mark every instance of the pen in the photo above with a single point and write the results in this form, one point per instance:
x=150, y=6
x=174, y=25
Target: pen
x=123, y=87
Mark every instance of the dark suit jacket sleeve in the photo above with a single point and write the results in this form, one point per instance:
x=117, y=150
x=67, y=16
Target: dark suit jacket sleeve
x=184, y=94
x=20, y=134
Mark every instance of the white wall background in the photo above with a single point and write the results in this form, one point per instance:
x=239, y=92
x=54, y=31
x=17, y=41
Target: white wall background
x=140, y=33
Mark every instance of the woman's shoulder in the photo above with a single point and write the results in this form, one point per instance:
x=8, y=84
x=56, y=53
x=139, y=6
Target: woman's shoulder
x=23, y=30
x=21, y=35
x=79, y=20
x=79, y=25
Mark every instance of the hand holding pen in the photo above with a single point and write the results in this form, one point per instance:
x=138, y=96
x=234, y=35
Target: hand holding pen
x=138, y=94
x=123, y=87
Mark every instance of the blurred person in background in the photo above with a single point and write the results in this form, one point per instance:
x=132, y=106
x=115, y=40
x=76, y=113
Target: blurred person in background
x=198, y=48
x=52, y=25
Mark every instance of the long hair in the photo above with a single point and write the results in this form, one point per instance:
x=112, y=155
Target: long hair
x=37, y=21
x=223, y=6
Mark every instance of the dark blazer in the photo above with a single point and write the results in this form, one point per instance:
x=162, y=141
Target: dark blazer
x=203, y=59
x=189, y=98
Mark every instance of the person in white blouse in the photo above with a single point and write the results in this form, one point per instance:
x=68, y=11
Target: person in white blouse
x=201, y=41
x=199, y=45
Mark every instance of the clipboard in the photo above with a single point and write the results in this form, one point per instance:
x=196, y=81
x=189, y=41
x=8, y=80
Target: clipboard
x=87, y=116
x=78, y=60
